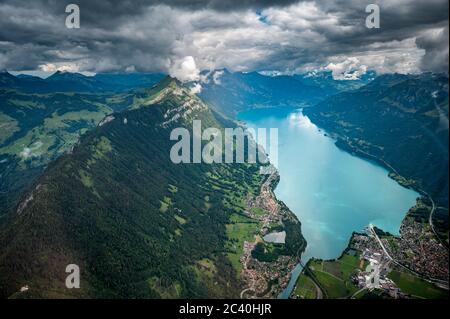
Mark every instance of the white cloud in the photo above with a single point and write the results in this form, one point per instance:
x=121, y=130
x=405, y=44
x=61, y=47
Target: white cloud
x=216, y=77
x=349, y=69
x=53, y=67
x=196, y=89
x=185, y=69
x=130, y=68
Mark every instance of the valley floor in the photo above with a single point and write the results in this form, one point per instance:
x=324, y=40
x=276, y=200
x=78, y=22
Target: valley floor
x=380, y=265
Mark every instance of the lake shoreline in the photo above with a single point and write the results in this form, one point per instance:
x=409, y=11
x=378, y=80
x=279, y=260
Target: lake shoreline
x=353, y=150
x=275, y=116
x=258, y=275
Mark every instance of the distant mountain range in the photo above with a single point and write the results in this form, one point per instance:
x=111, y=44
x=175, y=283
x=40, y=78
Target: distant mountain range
x=325, y=81
x=235, y=92
x=76, y=82
x=228, y=91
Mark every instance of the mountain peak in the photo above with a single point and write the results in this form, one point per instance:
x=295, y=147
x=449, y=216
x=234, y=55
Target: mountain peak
x=167, y=85
x=66, y=75
x=7, y=79
x=177, y=100
x=5, y=72
x=169, y=81
x=163, y=88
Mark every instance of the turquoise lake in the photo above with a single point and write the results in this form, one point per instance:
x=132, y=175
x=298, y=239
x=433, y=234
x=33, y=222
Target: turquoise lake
x=332, y=192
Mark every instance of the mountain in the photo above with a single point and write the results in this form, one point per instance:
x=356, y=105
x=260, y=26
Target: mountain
x=129, y=81
x=7, y=80
x=27, y=76
x=325, y=81
x=25, y=83
x=103, y=82
x=234, y=92
x=401, y=121
x=40, y=119
x=37, y=128
x=75, y=82
x=135, y=223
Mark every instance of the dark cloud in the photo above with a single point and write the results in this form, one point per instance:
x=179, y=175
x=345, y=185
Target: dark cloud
x=435, y=44
x=241, y=35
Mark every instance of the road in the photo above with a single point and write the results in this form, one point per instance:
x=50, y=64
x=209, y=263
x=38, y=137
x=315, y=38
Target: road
x=440, y=283
x=319, y=292
x=252, y=275
x=430, y=221
x=252, y=286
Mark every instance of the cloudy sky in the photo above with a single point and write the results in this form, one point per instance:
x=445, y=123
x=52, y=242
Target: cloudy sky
x=243, y=35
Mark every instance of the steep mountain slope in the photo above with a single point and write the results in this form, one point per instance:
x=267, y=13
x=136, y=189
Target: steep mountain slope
x=37, y=128
x=136, y=224
x=402, y=122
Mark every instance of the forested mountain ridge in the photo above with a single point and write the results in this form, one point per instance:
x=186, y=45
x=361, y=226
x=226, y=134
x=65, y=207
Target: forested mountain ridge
x=36, y=128
x=40, y=119
x=62, y=81
x=136, y=224
x=402, y=122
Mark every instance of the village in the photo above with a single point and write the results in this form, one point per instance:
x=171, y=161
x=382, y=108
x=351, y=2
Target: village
x=417, y=253
x=266, y=279
x=418, y=249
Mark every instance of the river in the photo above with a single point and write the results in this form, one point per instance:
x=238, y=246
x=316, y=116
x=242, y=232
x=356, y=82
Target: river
x=332, y=192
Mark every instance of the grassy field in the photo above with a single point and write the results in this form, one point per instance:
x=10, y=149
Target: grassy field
x=334, y=286
x=335, y=276
x=241, y=229
x=8, y=126
x=165, y=203
x=55, y=136
x=180, y=219
x=258, y=211
x=417, y=287
x=349, y=264
x=305, y=288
